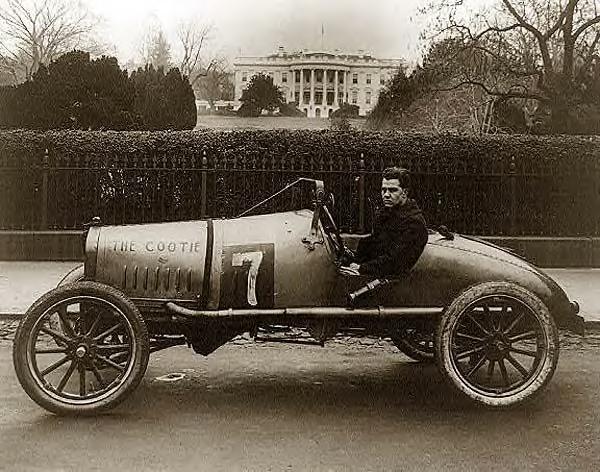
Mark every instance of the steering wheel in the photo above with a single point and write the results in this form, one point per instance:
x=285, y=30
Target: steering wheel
x=331, y=229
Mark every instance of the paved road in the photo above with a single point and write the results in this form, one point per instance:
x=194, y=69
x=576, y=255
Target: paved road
x=279, y=408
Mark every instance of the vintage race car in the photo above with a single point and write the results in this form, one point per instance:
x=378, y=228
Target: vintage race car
x=487, y=318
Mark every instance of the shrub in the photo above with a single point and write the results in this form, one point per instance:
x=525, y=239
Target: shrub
x=339, y=123
x=163, y=101
x=75, y=92
x=290, y=109
x=248, y=110
x=346, y=110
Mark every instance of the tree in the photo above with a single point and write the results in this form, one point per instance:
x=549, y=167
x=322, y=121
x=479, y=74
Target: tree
x=163, y=101
x=524, y=51
x=397, y=96
x=160, y=52
x=417, y=100
x=155, y=49
x=216, y=84
x=208, y=73
x=72, y=92
x=34, y=32
x=261, y=94
x=193, y=39
x=79, y=93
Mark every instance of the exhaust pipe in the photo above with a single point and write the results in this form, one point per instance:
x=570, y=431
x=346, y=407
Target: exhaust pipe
x=316, y=312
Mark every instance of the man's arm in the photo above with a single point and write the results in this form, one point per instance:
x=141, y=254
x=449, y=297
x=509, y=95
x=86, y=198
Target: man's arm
x=363, y=249
x=402, y=252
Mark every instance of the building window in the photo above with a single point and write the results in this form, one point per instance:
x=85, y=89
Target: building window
x=381, y=79
x=368, y=98
x=319, y=74
x=341, y=77
x=284, y=76
x=244, y=76
x=354, y=78
x=354, y=97
x=368, y=78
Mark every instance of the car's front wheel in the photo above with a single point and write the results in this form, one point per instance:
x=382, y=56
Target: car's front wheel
x=498, y=344
x=88, y=362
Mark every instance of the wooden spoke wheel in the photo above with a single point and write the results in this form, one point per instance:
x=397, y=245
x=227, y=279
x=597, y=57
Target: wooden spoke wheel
x=416, y=342
x=81, y=349
x=498, y=344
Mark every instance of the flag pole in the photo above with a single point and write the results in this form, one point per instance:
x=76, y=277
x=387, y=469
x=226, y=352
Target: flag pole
x=322, y=37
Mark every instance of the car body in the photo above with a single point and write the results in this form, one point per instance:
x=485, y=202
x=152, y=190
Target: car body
x=467, y=304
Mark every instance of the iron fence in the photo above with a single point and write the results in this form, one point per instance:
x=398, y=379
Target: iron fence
x=498, y=198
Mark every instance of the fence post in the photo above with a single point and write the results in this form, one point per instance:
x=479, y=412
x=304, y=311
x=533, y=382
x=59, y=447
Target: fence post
x=45, y=170
x=361, y=194
x=512, y=178
x=204, y=183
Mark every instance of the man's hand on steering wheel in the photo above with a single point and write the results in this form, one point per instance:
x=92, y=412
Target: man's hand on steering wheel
x=347, y=256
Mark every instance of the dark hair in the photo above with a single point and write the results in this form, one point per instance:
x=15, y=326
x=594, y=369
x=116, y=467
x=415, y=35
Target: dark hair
x=400, y=173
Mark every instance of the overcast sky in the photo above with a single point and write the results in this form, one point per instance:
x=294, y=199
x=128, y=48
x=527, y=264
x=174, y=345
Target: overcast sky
x=387, y=28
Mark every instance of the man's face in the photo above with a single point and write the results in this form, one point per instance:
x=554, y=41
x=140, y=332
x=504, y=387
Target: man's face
x=392, y=194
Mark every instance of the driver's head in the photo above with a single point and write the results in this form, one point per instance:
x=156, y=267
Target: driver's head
x=394, y=186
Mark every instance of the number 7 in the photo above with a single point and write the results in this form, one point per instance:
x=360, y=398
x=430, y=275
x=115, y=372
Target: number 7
x=254, y=258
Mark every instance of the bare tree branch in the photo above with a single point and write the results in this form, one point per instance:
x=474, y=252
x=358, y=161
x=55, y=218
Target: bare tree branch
x=542, y=40
x=586, y=25
x=494, y=93
x=193, y=40
x=39, y=30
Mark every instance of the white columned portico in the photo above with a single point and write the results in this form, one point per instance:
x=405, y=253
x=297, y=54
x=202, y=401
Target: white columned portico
x=312, y=87
x=301, y=100
x=335, y=90
x=346, y=86
x=324, y=97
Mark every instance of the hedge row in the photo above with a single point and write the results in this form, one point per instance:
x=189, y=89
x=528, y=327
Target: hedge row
x=515, y=185
x=420, y=149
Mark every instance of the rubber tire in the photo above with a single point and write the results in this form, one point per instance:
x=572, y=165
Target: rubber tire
x=451, y=315
x=406, y=347
x=128, y=385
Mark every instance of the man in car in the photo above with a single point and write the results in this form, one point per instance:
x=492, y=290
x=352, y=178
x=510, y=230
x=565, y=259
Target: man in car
x=399, y=234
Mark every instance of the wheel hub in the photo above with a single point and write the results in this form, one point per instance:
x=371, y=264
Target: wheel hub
x=80, y=352
x=83, y=348
x=497, y=348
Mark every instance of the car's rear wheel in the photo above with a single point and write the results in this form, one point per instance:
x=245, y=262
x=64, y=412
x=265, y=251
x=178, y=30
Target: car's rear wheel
x=498, y=344
x=90, y=361
x=416, y=342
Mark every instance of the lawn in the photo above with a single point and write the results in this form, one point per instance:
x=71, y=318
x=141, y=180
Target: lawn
x=266, y=122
